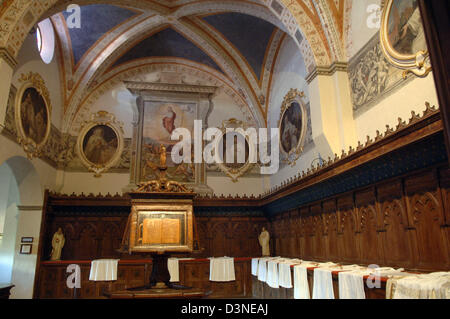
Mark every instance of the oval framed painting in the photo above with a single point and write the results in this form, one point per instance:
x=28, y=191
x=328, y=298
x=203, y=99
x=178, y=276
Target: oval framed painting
x=402, y=37
x=235, y=152
x=293, y=126
x=100, y=143
x=33, y=114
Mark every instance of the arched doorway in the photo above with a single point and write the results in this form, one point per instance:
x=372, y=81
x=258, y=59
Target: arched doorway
x=20, y=216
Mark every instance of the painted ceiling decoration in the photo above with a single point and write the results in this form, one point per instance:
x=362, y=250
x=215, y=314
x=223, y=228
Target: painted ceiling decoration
x=238, y=39
x=167, y=43
x=250, y=35
x=97, y=20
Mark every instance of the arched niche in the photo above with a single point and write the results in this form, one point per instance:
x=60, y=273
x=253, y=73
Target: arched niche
x=21, y=200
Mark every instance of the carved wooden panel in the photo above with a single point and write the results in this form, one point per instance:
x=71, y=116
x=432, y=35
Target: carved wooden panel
x=400, y=223
x=347, y=230
x=368, y=235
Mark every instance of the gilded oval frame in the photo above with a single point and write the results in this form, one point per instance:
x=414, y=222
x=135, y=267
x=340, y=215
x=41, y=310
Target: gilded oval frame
x=32, y=81
x=294, y=154
x=101, y=118
x=417, y=63
x=234, y=173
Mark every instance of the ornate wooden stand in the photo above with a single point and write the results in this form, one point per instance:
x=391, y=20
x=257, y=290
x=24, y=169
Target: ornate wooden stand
x=160, y=224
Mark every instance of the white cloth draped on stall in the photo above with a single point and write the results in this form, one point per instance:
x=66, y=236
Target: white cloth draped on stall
x=284, y=272
x=427, y=286
x=262, y=268
x=222, y=269
x=255, y=264
x=351, y=283
x=323, y=284
x=301, y=284
x=272, y=274
x=104, y=270
x=173, y=264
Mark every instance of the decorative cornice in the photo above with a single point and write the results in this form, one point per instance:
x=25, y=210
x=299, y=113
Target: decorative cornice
x=166, y=87
x=29, y=208
x=8, y=57
x=384, y=143
x=327, y=70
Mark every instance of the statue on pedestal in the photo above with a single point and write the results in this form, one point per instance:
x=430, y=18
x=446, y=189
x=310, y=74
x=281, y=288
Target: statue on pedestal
x=264, y=239
x=58, y=242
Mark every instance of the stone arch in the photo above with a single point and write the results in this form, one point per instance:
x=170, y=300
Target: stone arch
x=136, y=68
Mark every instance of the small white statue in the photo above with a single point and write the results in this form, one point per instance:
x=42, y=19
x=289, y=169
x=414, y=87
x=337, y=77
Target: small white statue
x=264, y=239
x=58, y=242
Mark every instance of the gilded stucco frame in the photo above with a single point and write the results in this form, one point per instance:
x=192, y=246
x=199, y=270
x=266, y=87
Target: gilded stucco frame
x=292, y=96
x=105, y=119
x=418, y=63
x=35, y=81
x=234, y=173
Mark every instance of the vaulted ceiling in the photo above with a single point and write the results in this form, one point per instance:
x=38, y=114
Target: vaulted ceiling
x=234, y=46
x=234, y=42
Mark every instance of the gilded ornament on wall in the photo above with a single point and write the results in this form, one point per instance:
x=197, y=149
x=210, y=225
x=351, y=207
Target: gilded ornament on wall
x=403, y=38
x=234, y=158
x=101, y=143
x=293, y=126
x=33, y=114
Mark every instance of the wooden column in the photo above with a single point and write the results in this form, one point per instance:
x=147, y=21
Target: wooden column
x=436, y=17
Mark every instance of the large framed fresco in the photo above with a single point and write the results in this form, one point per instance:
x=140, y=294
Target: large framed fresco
x=403, y=38
x=161, y=119
x=293, y=126
x=100, y=143
x=33, y=114
x=234, y=151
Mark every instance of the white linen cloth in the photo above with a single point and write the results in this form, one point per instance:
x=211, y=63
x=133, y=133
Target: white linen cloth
x=272, y=274
x=323, y=281
x=351, y=284
x=429, y=286
x=351, y=281
x=323, y=284
x=174, y=268
x=284, y=272
x=104, y=270
x=255, y=263
x=301, y=285
x=262, y=269
x=222, y=269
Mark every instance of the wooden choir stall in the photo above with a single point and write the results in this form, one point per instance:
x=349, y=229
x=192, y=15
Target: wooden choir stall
x=366, y=208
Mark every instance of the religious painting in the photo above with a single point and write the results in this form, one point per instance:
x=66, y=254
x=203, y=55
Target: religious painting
x=100, y=143
x=33, y=114
x=234, y=151
x=234, y=154
x=293, y=125
x=403, y=37
x=160, y=121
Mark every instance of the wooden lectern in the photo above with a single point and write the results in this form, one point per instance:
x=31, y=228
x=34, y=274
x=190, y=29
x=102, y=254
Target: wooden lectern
x=160, y=223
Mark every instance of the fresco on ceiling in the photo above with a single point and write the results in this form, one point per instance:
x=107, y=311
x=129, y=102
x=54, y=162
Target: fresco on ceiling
x=96, y=20
x=250, y=35
x=168, y=43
